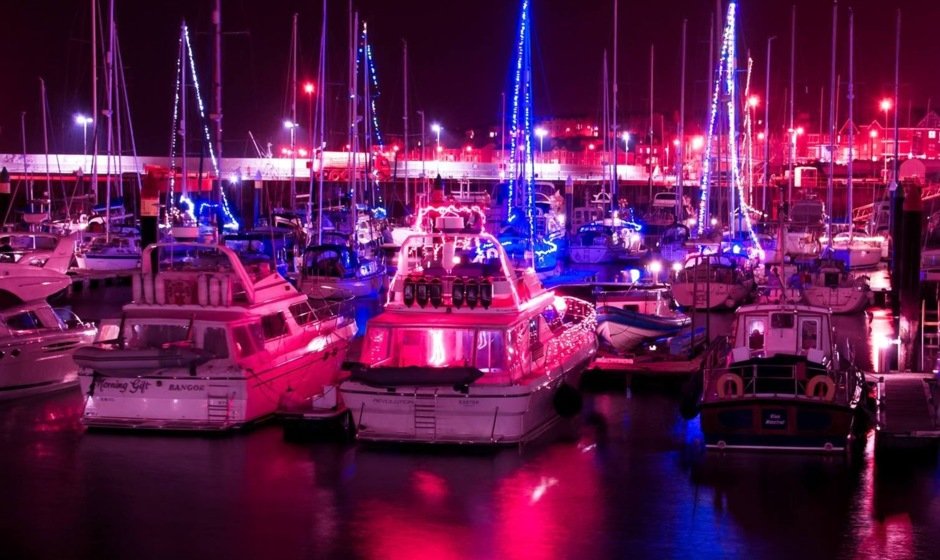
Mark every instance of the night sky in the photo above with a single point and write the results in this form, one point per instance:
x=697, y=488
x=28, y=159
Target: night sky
x=460, y=55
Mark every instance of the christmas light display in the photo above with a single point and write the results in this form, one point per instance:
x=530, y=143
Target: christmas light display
x=725, y=83
x=516, y=90
x=374, y=79
x=229, y=220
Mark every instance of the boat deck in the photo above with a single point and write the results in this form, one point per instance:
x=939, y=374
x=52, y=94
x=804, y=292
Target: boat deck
x=908, y=415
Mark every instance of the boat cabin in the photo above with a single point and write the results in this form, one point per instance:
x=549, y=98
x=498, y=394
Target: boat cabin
x=765, y=331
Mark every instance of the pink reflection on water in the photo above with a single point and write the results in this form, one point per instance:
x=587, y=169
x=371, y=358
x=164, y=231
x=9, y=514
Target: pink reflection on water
x=878, y=535
x=543, y=510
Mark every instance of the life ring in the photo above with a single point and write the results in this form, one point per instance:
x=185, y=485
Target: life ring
x=829, y=388
x=737, y=385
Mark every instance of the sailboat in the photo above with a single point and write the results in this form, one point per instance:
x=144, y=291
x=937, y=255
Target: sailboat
x=344, y=264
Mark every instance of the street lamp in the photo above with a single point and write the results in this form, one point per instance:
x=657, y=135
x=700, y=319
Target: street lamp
x=541, y=133
x=84, y=121
x=436, y=128
x=886, y=106
x=626, y=148
x=753, y=101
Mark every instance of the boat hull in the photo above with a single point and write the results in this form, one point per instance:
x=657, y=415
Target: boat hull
x=215, y=398
x=108, y=262
x=31, y=283
x=40, y=364
x=592, y=255
x=625, y=330
x=362, y=286
x=800, y=423
x=483, y=414
x=842, y=299
x=713, y=295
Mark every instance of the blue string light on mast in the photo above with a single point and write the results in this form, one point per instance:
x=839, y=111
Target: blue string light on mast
x=229, y=220
x=373, y=77
x=516, y=90
x=725, y=83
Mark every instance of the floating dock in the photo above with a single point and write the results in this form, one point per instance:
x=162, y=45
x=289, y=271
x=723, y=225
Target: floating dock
x=645, y=365
x=907, y=411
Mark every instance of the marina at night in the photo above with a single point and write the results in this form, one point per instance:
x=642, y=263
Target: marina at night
x=516, y=279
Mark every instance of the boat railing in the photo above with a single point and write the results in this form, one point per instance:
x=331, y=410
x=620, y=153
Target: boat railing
x=787, y=380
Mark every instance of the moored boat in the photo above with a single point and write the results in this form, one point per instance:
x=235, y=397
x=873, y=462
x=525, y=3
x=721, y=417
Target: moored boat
x=714, y=281
x=468, y=350
x=36, y=346
x=778, y=383
x=209, y=343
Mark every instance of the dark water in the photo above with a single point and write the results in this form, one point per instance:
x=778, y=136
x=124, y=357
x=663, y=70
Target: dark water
x=630, y=479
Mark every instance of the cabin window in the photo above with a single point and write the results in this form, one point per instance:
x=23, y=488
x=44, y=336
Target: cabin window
x=108, y=331
x=433, y=347
x=809, y=334
x=214, y=341
x=23, y=321
x=490, y=351
x=248, y=339
x=755, y=334
x=302, y=313
x=156, y=336
x=274, y=326
x=781, y=321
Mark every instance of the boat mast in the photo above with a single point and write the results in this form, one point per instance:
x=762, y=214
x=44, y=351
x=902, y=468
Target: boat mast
x=652, y=74
x=216, y=115
x=353, y=116
x=848, y=180
x=45, y=140
x=293, y=114
x=605, y=117
x=791, y=140
x=404, y=63
x=321, y=106
x=94, y=96
x=184, y=195
x=833, y=93
x=680, y=148
x=109, y=93
x=614, y=190
x=766, y=128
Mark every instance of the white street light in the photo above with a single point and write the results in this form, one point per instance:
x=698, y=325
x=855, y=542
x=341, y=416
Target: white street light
x=84, y=121
x=436, y=128
x=541, y=133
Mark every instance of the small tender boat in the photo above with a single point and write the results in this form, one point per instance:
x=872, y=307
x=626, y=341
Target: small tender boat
x=631, y=313
x=624, y=329
x=778, y=383
x=209, y=343
x=468, y=350
x=714, y=281
x=36, y=346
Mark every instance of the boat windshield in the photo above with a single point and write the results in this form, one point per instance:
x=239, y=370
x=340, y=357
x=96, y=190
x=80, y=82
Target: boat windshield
x=140, y=335
x=435, y=347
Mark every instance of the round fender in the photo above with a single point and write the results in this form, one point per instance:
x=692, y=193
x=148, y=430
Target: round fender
x=730, y=385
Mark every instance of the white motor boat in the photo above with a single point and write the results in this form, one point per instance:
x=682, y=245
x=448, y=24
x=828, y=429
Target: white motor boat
x=468, y=350
x=109, y=253
x=33, y=265
x=209, y=343
x=36, y=346
x=714, y=281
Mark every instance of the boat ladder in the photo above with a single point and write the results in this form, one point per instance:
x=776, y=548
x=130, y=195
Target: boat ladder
x=218, y=404
x=929, y=335
x=426, y=415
